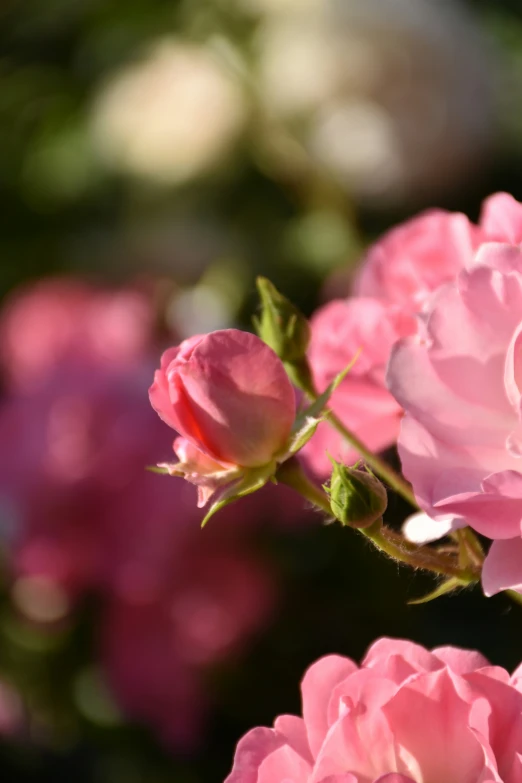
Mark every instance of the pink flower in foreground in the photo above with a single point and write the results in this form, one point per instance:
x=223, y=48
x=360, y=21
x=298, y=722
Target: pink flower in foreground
x=461, y=388
x=229, y=397
x=340, y=330
x=406, y=715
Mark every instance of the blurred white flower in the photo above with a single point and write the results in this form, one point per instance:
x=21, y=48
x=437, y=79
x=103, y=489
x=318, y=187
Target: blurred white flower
x=298, y=64
x=277, y=6
x=392, y=97
x=359, y=140
x=171, y=116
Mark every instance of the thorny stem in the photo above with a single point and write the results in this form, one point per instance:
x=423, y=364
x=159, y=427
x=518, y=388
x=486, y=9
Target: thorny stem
x=396, y=547
x=386, y=540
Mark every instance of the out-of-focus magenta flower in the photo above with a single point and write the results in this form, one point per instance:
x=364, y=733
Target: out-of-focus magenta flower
x=461, y=388
x=80, y=514
x=229, y=397
x=341, y=330
x=216, y=596
x=11, y=710
x=72, y=475
x=66, y=320
x=406, y=715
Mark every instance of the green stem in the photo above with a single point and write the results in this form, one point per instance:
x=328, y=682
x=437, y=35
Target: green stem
x=388, y=541
x=470, y=548
x=516, y=597
x=291, y=474
x=396, y=547
x=381, y=468
x=301, y=376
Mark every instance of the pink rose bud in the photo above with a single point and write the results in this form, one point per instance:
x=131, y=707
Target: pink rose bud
x=229, y=397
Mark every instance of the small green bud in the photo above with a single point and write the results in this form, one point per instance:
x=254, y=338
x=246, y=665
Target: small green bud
x=357, y=497
x=281, y=325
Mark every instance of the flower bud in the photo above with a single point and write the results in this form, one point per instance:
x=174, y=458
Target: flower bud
x=282, y=326
x=357, y=497
x=229, y=397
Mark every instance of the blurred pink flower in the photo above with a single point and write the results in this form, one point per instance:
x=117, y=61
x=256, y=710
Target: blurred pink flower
x=11, y=710
x=64, y=319
x=406, y=715
x=81, y=514
x=461, y=387
x=229, y=397
x=175, y=599
x=73, y=474
x=339, y=330
x=216, y=596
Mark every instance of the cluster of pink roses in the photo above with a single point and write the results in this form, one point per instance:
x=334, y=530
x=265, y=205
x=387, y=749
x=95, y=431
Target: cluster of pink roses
x=436, y=319
x=438, y=305
x=436, y=325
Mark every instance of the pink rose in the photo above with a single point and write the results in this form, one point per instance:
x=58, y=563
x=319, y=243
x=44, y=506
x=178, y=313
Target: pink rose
x=229, y=397
x=402, y=270
x=340, y=330
x=405, y=715
x=412, y=260
x=416, y=257
x=460, y=384
x=501, y=219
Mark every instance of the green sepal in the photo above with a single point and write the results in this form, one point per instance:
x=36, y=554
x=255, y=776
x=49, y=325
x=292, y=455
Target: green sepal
x=320, y=403
x=309, y=419
x=157, y=469
x=252, y=480
x=303, y=431
x=448, y=586
x=281, y=324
